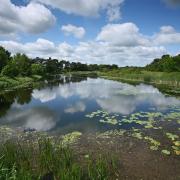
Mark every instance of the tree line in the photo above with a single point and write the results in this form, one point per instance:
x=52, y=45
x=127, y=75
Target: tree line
x=22, y=65
x=166, y=63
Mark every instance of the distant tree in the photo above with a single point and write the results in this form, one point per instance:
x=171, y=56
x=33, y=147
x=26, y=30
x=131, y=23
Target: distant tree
x=61, y=64
x=10, y=70
x=165, y=64
x=52, y=66
x=176, y=60
x=93, y=67
x=23, y=63
x=37, y=69
x=114, y=66
x=67, y=66
x=78, y=66
x=4, y=57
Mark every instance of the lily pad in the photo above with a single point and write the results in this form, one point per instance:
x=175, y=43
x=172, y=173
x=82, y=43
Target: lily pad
x=71, y=137
x=176, y=143
x=154, y=148
x=166, y=152
x=137, y=135
x=109, y=121
x=177, y=152
x=172, y=136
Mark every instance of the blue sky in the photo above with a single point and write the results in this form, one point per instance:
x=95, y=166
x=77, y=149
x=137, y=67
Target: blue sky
x=124, y=32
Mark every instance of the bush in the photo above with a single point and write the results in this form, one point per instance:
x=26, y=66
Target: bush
x=23, y=63
x=37, y=69
x=10, y=70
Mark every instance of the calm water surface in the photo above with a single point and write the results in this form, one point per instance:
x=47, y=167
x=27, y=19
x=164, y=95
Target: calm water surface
x=62, y=107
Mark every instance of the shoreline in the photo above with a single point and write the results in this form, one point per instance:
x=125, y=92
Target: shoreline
x=7, y=83
x=129, y=154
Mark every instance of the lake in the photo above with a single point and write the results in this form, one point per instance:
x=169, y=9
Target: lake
x=137, y=124
x=88, y=105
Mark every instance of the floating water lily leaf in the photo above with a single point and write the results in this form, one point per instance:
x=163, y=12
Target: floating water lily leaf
x=154, y=148
x=150, y=120
x=177, y=152
x=135, y=129
x=149, y=126
x=166, y=152
x=176, y=143
x=137, y=135
x=172, y=136
x=175, y=148
x=157, y=127
x=109, y=121
x=127, y=121
x=140, y=122
x=173, y=115
x=71, y=137
x=152, y=141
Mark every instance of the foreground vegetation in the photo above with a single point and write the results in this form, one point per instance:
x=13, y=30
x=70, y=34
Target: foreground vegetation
x=47, y=160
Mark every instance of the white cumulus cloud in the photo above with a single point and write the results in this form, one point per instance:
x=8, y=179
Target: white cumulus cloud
x=77, y=107
x=125, y=34
x=33, y=18
x=70, y=29
x=167, y=35
x=121, y=44
x=90, y=8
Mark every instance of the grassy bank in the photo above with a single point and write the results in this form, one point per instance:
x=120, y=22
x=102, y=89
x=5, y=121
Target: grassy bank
x=172, y=79
x=47, y=159
x=18, y=82
x=163, y=80
x=83, y=73
x=7, y=83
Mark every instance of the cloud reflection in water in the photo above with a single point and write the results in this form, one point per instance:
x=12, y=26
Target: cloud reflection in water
x=114, y=97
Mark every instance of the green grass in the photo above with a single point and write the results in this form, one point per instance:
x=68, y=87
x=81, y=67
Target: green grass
x=144, y=76
x=83, y=73
x=17, y=82
x=31, y=161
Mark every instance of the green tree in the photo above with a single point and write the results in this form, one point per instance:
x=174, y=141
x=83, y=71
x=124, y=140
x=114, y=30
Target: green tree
x=23, y=63
x=10, y=70
x=165, y=64
x=4, y=57
x=37, y=69
x=176, y=60
x=52, y=66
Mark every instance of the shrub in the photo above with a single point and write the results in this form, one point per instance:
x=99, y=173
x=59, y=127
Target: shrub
x=37, y=69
